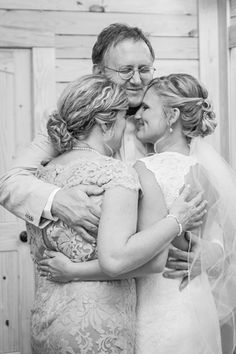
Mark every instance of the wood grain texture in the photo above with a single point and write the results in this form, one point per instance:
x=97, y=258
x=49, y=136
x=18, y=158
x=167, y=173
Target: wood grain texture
x=232, y=122
x=164, y=47
x=25, y=38
x=232, y=36
x=9, y=313
x=44, y=99
x=209, y=59
x=232, y=8
x=92, y=23
x=133, y=6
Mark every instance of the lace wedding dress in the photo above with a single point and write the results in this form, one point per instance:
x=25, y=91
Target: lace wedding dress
x=170, y=321
x=85, y=317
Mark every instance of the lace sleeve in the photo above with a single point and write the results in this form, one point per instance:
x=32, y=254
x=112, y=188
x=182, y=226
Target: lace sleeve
x=123, y=176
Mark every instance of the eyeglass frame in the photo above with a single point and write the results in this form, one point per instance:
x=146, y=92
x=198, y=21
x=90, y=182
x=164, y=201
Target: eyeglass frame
x=133, y=70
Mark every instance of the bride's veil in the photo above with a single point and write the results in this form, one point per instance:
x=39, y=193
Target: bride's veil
x=214, y=176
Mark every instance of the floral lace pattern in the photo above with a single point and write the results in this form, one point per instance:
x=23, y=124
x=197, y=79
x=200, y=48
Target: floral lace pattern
x=170, y=169
x=81, y=317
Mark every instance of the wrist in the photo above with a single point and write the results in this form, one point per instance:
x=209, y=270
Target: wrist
x=180, y=227
x=47, y=212
x=55, y=207
x=73, y=272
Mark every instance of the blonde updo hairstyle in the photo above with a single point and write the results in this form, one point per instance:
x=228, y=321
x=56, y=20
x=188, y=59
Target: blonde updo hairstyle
x=184, y=92
x=89, y=100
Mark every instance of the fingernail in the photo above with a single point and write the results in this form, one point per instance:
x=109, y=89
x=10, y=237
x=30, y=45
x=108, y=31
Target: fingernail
x=165, y=275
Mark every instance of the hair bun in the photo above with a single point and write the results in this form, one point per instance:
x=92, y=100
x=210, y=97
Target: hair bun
x=58, y=132
x=207, y=122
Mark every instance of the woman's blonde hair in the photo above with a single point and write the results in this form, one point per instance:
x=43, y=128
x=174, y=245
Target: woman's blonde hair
x=186, y=93
x=83, y=103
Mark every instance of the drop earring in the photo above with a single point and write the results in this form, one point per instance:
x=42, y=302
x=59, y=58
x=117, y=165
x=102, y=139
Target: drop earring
x=171, y=130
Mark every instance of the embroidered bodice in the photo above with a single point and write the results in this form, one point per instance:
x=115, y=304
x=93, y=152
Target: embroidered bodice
x=170, y=169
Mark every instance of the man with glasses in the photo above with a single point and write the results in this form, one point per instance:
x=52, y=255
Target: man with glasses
x=124, y=55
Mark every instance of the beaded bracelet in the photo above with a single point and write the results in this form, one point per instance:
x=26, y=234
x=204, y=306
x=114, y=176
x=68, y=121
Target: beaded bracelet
x=179, y=224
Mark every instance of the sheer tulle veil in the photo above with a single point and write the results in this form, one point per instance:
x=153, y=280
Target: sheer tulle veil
x=218, y=181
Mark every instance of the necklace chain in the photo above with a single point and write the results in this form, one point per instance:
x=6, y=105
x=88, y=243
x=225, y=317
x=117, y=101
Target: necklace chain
x=86, y=149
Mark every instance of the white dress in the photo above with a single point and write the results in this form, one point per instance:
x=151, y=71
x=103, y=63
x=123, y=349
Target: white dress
x=169, y=320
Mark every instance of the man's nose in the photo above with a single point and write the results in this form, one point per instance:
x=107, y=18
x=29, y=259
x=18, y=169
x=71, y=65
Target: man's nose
x=135, y=79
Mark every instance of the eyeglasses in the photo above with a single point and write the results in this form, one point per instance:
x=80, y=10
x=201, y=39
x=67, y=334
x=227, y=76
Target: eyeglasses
x=126, y=72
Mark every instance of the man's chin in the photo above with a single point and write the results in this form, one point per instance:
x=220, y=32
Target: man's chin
x=135, y=99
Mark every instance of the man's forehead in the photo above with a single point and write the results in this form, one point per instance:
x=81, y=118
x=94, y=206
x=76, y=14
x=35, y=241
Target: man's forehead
x=127, y=52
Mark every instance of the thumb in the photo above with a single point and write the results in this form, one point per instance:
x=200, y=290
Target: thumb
x=49, y=254
x=91, y=189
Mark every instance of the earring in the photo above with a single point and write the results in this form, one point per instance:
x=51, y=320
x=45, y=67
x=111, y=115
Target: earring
x=171, y=129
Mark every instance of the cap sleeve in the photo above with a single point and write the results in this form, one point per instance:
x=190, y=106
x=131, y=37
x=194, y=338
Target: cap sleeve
x=123, y=176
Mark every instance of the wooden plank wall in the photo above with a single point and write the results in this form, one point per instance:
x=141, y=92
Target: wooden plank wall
x=232, y=29
x=232, y=81
x=72, y=27
x=187, y=36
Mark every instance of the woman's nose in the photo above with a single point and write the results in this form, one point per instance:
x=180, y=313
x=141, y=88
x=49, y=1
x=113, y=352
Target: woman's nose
x=138, y=114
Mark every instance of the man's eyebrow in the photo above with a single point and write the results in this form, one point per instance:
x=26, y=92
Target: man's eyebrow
x=126, y=67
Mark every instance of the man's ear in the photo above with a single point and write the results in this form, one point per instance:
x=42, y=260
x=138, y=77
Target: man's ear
x=97, y=69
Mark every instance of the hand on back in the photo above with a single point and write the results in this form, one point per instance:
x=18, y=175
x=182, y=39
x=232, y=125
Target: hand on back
x=74, y=207
x=189, y=210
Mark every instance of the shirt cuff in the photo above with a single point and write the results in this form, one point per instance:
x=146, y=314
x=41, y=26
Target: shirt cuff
x=47, y=209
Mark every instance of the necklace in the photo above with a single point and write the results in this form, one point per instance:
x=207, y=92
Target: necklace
x=87, y=149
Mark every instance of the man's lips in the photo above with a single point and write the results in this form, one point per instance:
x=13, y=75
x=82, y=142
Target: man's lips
x=136, y=89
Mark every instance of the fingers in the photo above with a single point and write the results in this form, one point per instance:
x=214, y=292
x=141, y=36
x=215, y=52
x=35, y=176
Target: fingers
x=43, y=274
x=179, y=254
x=175, y=274
x=177, y=265
x=85, y=224
x=49, y=254
x=44, y=262
x=185, y=192
x=44, y=268
x=85, y=235
x=195, y=201
x=96, y=212
x=91, y=189
x=195, y=224
x=198, y=216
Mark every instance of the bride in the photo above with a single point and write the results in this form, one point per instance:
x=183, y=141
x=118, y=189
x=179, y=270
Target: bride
x=175, y=116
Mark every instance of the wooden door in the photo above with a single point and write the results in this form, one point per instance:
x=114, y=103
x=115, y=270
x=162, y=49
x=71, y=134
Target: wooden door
x=16, y=267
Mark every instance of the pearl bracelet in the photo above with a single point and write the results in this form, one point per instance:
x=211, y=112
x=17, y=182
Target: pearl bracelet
x=179, y=224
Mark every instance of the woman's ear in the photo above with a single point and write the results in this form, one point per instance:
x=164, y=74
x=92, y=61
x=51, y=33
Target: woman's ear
x=174, y=116
x=103, y=126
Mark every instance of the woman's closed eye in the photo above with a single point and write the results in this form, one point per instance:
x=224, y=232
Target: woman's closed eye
x=144, y=106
